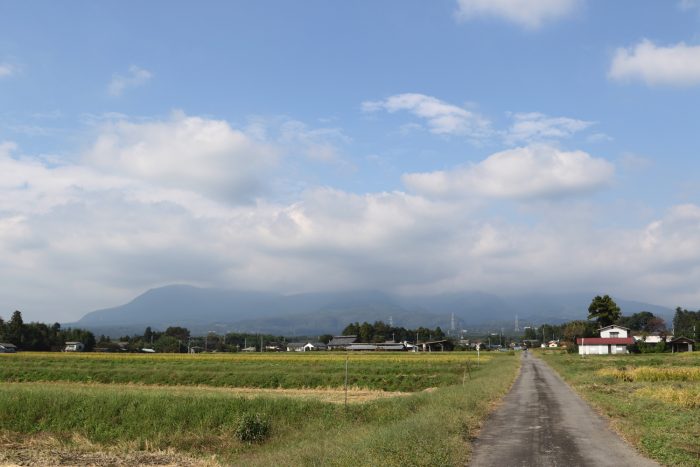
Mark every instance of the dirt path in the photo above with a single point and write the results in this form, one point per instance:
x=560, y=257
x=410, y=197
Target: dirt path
x=542, y=422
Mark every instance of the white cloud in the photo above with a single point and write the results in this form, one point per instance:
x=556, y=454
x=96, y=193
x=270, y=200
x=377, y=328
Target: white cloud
x=442, y=118
x=191, y=153
x=156, y=202
x=534, y=126
x=676, y=65
x=530, y=14
x=89, y=240
x=134, y=78
x=520, y=173
x=7, y=69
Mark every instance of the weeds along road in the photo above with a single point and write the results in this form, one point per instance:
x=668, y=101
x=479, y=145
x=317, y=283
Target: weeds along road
x=542, y=422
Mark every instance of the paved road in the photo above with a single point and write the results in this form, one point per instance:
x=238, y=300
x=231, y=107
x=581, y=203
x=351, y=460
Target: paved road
x=542, y=422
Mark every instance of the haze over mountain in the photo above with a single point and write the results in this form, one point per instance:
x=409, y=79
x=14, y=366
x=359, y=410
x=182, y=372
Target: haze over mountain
x=219, y=310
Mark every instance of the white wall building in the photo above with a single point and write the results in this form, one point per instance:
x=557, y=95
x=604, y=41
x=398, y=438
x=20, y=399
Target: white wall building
x=613, y=340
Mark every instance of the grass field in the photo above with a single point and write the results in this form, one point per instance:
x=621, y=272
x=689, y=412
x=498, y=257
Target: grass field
x=187, y=409
x=653, y=399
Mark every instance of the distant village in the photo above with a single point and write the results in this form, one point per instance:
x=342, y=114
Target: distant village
x=606, y=331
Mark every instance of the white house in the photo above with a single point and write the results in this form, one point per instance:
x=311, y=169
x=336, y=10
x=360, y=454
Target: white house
x=613, y=340
x=653, y=338
x=613, y=331
x=74, y=347
x=296, y=346
x=315, y=346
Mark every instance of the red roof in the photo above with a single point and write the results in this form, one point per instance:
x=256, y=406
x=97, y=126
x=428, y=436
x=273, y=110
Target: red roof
x=605, y=340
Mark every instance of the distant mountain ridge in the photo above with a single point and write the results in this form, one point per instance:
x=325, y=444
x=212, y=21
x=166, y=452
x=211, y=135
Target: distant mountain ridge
x=220, y=310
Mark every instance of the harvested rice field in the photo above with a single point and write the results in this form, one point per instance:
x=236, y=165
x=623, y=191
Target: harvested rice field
x=269, y=409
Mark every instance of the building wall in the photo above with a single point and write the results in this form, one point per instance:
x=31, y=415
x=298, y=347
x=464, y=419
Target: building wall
x=621, y=332
x=602, y=349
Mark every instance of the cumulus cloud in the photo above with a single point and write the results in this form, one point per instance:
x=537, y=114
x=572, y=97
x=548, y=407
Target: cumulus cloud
x=675, y=65
x=441, y=117
x=135, y=77
x=151, y=204
x=535, y=126
x=110, y=237
x=519, y=173
x=202, y=155
x=530, y=14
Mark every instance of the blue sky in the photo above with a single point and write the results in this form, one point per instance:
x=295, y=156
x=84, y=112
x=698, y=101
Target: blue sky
x=410, y=146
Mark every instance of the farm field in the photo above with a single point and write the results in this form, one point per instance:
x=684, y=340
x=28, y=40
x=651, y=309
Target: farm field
x=188, y=409
x=652, y=399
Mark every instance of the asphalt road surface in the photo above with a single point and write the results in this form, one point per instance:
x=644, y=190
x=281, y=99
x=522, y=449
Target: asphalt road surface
x=542, y=422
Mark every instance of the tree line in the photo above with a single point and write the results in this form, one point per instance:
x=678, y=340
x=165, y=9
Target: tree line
x=41, y=336
x=379, y=331
x=178, y=339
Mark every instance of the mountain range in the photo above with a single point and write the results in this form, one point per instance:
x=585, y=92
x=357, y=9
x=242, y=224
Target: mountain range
x=221, y=310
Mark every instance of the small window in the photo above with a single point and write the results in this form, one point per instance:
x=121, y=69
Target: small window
x=614, y=334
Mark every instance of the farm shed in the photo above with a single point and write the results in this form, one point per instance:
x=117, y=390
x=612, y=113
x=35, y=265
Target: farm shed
x=430, y=346
x=381, y=346
x=681, y=344
x=74, y=347
x=296, y=346
x=361, y=346
x=6, y=347
x=341, y=342
x=315, y=346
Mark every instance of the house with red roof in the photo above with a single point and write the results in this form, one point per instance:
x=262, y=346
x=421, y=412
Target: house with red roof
x=613, y=340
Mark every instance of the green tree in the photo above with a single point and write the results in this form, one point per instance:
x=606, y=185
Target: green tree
x=604, y=310
x=686, y=323
x=178, y=333
x=167, y=344
x=574, y=329
x=325, y=338
x=15, y=328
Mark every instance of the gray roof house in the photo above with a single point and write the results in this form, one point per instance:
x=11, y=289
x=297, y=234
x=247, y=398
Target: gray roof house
x=296, y=346
x=341, y=342
x=6, y=347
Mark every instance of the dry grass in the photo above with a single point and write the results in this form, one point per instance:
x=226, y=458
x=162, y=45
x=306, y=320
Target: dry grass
x=355, y=395
x=652, y=374
x=45, y=450
x=688, y=398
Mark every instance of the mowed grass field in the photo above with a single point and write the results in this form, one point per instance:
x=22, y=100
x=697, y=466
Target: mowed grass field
x=653, y=399
x=185, y=409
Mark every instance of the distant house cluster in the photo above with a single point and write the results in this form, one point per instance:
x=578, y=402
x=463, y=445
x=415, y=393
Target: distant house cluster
x=350, y=343
x=614, y=340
